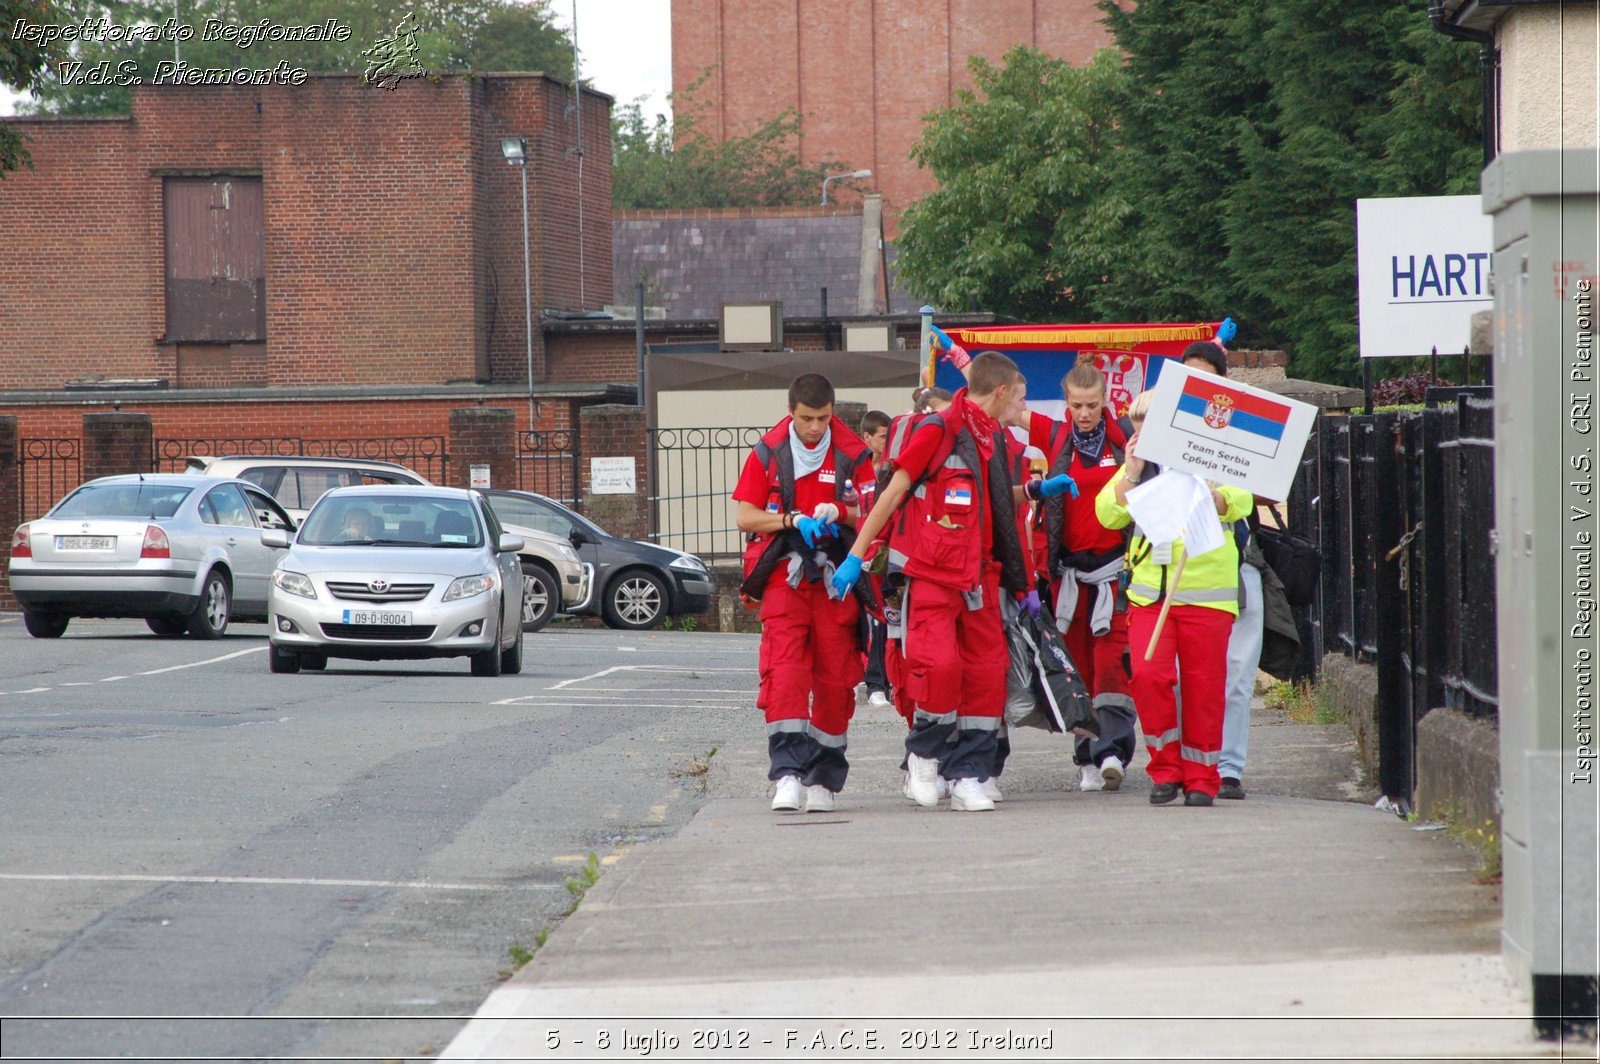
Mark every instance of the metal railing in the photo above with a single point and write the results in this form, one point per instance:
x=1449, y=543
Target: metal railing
x=1402, y=505
x=696, y=471
x=547, y=462
x=48, y=468
x=424, y=454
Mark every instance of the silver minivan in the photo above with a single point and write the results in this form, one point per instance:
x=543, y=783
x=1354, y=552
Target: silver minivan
x=397, y=572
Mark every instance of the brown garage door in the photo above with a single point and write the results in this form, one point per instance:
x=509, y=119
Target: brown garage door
x=216, y=260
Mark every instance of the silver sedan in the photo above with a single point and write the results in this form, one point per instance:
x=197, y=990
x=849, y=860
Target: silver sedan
x=397, y=572
x=183, y=552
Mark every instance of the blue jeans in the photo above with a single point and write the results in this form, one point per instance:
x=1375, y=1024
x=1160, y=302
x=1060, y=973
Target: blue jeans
x=1244, y=654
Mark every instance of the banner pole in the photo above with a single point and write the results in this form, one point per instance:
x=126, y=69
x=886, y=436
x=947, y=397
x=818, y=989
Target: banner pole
x=928, y=357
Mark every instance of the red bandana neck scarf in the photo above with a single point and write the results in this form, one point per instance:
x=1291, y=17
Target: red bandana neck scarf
x=981, y=425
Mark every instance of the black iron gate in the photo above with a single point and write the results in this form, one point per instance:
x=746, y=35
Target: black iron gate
x=547, y=462
x=48, y=468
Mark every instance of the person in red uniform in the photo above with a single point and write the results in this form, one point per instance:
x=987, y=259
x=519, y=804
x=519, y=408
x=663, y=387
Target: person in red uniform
x=1084, y=561
x=954, y=546
x=875, y=431
x=790, y=498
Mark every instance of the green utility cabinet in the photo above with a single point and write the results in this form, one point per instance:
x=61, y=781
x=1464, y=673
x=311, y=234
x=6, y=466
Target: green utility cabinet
x=1546, y=262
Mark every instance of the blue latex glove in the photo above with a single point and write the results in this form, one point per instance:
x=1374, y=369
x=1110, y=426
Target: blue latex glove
x=845, y=577
x=1227, y=331
x=1060, y=484
x=941, y=339
x=1030, y=603
x=811, y=530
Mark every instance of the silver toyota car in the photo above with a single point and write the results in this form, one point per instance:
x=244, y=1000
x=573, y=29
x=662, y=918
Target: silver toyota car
x=397, y=572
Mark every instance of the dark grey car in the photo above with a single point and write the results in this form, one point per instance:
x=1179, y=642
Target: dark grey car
x=636, y=585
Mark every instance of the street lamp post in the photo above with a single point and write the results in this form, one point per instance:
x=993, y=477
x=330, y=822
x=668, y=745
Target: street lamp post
x=831, y=178
x=515, y=149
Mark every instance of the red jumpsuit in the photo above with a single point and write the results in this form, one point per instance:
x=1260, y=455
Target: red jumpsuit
x=1098, y=658
x=954, y=656
x=810, y=655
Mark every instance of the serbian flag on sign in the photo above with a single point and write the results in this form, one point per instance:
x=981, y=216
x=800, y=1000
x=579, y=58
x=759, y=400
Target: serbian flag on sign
x=1210, y=408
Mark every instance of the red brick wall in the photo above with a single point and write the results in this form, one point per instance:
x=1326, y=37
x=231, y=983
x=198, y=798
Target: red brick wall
x=861, y=72
x=392, y=231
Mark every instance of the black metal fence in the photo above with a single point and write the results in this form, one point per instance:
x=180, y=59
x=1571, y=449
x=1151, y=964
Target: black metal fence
x=547, y=462
x=1402, y=505
x=696, y=470
x=48, y=469
x=424, y=454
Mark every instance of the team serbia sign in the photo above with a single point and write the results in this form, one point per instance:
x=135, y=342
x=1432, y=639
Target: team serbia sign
x=1423, y=265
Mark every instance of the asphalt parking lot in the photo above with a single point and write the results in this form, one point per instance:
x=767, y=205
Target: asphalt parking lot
x=188, y=835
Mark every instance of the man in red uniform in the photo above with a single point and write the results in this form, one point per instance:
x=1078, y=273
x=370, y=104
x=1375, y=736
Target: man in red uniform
x=953, y=545
x=790, y=498
x=875, y=431
x=1084, y=564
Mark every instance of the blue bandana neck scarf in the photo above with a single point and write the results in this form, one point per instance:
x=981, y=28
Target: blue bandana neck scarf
x=1090, y=445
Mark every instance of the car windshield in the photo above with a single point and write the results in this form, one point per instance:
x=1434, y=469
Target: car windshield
x=391, y=521
x=123, y=500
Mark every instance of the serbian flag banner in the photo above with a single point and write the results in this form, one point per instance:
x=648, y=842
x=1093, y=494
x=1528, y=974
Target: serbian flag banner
x=1129, y=354
x=1209, y=408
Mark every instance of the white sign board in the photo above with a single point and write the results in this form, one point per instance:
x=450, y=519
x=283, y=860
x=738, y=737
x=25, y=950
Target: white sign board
x=1221, y=430
x=1422, y=266
x=611, y=476
x=479, y=475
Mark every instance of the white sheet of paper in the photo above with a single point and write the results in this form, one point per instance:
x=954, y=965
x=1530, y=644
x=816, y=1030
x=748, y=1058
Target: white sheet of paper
x=1160, y=506
x=1202, y=528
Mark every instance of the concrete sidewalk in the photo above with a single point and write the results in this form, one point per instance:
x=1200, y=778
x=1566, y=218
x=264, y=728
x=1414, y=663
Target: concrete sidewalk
x=1280, y=926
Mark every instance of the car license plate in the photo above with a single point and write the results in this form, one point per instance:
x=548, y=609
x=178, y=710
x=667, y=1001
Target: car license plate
x=376, y=617
x=86, y=542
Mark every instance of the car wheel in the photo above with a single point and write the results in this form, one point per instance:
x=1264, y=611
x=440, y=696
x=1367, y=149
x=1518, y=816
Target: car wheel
x=540, y=597
x=279, y=660
x=313, y=662
x=487, y=662
x=168, y=624
x=511, y=660
x=44, y=625
x=215, y=608
x=636, y=600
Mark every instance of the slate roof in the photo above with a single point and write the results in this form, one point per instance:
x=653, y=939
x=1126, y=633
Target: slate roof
x=693, y=261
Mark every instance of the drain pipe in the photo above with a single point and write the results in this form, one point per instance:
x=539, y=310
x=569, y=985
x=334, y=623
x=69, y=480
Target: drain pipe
x=1488, y=62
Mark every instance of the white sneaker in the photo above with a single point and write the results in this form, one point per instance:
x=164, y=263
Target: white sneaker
x=922, y=780
x=1111, y=772
x=944, y=787
x=1090, y=778
x=966, y=796
x=878, y=698
x=991, y=788
x=787, y=795
x=819, y=799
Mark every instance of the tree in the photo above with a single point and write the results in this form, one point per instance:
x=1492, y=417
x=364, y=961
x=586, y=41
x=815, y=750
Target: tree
x=1024, y=211
x=22, y=62
x=455, y=35
x=661, y=165
x=1228, y=151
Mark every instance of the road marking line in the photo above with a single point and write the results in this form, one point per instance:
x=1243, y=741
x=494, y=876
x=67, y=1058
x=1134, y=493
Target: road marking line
x=635, y=668
x=272, y=881
x=77, y=683
x=197, y=664
x=591, y=676
x=112, y=679
x=31, y=691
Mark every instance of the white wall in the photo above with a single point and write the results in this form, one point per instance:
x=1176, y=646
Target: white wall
x=1549, y=90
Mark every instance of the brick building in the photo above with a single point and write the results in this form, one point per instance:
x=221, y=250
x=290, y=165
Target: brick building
x=861, y=73
x=322, y=234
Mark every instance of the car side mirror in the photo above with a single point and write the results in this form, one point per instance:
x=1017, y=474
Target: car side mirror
x=274, y=537
x=578, y=536
x=510, y=544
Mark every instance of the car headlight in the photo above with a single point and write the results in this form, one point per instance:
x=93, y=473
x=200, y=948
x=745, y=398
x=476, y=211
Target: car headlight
x=567, y=554
x=467, y=586
x=688, y=562
x=294, y=583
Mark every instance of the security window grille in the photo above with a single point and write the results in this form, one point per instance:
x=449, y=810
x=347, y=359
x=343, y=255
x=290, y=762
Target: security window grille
x=216, y=260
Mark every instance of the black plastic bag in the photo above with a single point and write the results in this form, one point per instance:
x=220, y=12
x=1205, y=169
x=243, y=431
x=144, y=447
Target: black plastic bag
x=1295, y=559
x=1043, y=686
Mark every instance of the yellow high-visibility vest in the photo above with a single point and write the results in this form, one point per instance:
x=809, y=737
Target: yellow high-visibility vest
x=1211, y=580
